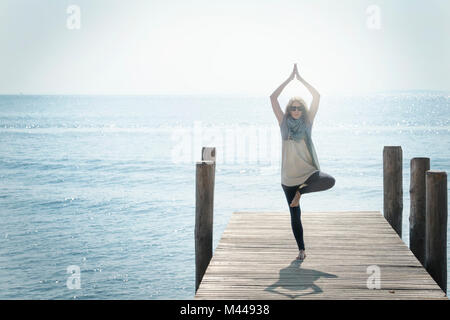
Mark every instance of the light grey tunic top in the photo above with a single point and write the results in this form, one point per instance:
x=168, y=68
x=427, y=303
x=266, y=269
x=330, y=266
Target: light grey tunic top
x=297, y=164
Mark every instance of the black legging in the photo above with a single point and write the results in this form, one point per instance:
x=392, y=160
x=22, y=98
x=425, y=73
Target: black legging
x=318, y=181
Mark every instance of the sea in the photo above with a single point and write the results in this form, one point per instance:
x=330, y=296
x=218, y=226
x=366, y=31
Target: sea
x=97, y=193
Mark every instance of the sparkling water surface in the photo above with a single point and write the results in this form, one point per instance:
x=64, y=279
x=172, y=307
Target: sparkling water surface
x=97, y=181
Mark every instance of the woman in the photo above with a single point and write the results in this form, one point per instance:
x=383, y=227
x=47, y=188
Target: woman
x=300, y=170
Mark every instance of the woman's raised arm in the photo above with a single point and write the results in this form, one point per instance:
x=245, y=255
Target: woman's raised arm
x=274, y=96
x=316, y=98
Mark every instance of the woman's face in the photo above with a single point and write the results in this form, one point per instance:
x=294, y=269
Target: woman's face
x=296, y=114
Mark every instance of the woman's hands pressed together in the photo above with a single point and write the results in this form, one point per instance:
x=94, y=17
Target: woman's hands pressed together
x=297, y=75
x=294, y=73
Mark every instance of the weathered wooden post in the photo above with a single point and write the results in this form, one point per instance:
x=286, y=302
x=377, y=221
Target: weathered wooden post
x=436, y=227
x=417, y=193
x=393, y=187
x=204, y=208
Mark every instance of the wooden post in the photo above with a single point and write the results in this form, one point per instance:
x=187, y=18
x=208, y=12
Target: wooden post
x=436, y=227
x=417, y=210
x=204, y=208
x=393, y=187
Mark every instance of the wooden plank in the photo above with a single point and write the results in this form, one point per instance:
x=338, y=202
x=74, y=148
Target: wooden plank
x=255, y=259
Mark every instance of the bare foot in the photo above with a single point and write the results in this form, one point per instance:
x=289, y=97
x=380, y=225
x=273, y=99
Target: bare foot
x=301, y=255
x=296, y=200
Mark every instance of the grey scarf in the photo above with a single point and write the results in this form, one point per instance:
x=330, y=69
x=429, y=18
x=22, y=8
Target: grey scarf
x=294, y=128
x=297, y=129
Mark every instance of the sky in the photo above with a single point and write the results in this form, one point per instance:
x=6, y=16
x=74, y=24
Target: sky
x=222, y=47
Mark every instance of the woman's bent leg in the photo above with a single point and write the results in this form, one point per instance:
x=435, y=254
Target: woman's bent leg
x=296, y=222
x=318, y=181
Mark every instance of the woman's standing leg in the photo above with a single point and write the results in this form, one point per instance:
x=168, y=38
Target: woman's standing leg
x=296, y=222
x=318, y=181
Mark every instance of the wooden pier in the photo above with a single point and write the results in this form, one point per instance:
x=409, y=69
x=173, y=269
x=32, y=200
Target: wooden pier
x=350, y=255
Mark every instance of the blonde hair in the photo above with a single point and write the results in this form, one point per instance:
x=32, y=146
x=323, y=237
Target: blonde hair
x=298, y=99
x=287, y=113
